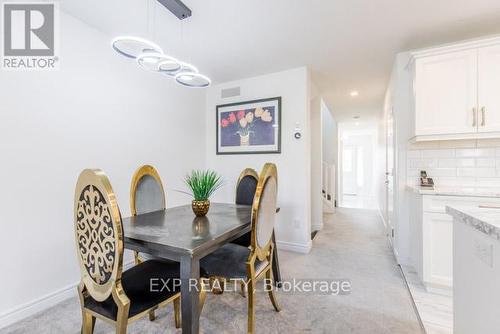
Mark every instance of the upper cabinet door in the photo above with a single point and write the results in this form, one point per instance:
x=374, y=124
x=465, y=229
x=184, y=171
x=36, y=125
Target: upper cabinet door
x=446, y=93
x=489, y=89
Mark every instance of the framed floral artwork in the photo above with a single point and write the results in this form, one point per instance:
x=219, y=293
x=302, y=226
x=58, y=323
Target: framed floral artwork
x=251, y=127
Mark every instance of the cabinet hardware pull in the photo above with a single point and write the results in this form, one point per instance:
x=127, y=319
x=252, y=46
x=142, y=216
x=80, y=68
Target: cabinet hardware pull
x=483, y=114
x=474, y=117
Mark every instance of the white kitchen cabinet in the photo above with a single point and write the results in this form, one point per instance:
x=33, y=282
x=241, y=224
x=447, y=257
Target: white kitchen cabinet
x=488, y=89
x=446, y=93
x=455, y=91
x=432, y=246
x=437, y=234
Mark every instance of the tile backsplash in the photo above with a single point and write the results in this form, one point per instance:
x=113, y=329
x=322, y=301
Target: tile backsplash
x=461, y=164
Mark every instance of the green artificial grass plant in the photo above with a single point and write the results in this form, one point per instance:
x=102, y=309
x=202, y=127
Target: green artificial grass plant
x=203, y=183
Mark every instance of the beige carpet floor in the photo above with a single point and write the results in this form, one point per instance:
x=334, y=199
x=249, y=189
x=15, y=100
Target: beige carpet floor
x=351, y=246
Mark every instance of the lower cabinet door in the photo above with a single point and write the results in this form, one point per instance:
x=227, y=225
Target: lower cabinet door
x=438, y=250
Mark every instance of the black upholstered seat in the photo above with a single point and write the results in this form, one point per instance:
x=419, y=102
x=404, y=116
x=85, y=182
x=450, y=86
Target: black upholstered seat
x=136, y=283
x=229, y=261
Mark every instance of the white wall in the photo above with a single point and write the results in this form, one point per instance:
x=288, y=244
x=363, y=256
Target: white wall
x=294, y=197
x=330, y=141
x=398, y=98
x=316, y=161
x=330, y=135
x=100, y=110
x=381, y=168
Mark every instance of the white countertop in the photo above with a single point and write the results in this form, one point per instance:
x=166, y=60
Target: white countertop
x=466, y=192
x=485, y=220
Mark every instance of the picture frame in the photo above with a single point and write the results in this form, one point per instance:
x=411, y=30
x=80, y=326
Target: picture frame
x=249, y=127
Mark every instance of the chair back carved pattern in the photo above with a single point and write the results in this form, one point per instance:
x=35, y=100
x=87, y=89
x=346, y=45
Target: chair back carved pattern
x=98, y=233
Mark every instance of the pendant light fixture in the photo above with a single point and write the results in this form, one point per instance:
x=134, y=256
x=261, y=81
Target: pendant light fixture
x=132, y=47
x=184, y=67
x=191, y=79
x=151, y=57
x=157, y=62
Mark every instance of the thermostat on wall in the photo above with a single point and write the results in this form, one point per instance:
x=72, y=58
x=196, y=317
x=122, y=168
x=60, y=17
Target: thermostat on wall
x=297, y=133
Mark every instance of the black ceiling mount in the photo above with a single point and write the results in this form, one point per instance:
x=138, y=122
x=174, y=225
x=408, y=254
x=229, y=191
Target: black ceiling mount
x=177, y=7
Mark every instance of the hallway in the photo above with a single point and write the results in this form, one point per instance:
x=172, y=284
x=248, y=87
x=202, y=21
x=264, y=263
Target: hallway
x=351, y=246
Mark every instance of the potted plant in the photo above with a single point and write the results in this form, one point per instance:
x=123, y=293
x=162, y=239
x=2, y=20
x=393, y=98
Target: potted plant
x=202, y=185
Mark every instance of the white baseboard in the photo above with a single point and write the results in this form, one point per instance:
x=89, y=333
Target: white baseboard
x=317, y=227
x=40, y=304
x=382, y=217
x=26, y=310
x=439, y=289
x=328, y=207
x=294, y=247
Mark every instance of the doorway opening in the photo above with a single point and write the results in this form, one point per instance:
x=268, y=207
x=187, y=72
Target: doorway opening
x=357, y=154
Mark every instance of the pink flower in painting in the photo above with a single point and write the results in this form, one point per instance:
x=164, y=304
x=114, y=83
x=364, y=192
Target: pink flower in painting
x=241, y=114
x=232, y=118
x=224, y=123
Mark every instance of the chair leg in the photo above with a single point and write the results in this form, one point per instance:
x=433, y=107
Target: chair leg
x=177, y=312
x=243, y=289
x=203, y=294
x=121, y=326
x=270, y=290
x=152, y=315
x=251, y=304
x=88, y=322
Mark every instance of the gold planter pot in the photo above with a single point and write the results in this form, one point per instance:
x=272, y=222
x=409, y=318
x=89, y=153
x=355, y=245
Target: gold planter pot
x=200, y=208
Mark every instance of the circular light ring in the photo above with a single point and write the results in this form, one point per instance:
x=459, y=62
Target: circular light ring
x=192, y=79
x=185, y=68
x=132, y=47
x=169, y=65
x=151, y=61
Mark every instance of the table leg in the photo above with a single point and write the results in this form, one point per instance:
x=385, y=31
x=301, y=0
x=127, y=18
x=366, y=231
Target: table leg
x=190, y=273
x=276, y=265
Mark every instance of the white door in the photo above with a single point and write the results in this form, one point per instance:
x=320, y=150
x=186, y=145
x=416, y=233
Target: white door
x=489, y=89
x=446, y=93
x=349, y=170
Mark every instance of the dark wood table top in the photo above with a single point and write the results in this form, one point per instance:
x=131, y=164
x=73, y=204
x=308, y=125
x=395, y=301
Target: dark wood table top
x=177, y=232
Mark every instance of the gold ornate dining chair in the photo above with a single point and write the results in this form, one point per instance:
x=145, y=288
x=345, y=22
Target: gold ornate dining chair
x=249, y=265
x=146, y=195
x=245, y=192
x=106, y=291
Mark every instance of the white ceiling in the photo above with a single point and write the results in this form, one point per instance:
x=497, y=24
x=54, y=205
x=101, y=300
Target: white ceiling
x=348, y=44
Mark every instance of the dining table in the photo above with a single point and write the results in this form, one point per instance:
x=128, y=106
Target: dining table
x=177, y=234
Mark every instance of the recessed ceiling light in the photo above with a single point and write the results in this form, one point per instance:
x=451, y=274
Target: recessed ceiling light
x=354, y=93
x=356, y=117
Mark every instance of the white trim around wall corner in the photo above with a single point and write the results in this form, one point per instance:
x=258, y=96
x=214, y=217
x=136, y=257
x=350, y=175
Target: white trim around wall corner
x=41, y=304
x=294, y=247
